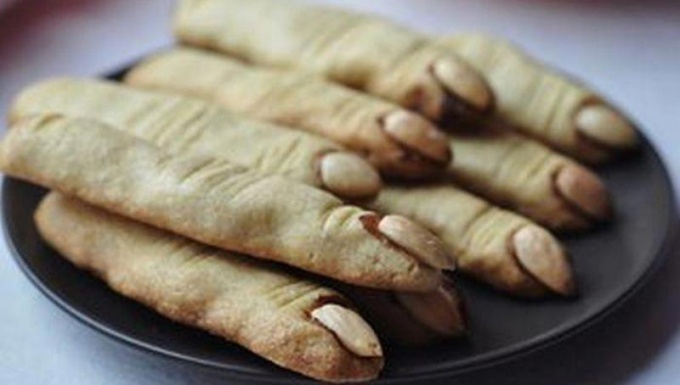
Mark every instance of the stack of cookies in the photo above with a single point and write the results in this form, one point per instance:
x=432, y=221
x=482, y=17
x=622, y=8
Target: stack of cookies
x=279, y=140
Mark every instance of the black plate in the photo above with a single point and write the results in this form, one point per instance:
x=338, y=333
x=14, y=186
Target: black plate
x=610, y=264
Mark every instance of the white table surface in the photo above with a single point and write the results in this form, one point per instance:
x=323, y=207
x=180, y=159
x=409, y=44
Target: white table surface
x=630, y=50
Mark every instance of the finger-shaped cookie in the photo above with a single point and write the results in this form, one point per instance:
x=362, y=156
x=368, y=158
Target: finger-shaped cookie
x=359, y=51
x=224, y=205
x=186, y=124
x=295, y=323
x=396, y=141
x=524, y=175
x=545, y=104
x=495, y=246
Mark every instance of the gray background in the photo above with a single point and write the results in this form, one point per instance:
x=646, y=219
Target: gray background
x=630, y=50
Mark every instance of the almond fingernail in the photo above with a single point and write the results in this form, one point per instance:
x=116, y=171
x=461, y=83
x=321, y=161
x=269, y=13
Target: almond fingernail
x=418, y=134
x=585, y=190
x=539, y=253
x=459, y=79
x=349, y=176
x=439, y=311
x=350, y=329
x=606, y=126
x=416, y=240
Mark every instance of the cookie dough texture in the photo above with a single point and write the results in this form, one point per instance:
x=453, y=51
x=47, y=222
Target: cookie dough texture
x=211, y=201
x=480, y=236
x=544, y=103
x=243, y=300
x=179, y=124
x=360, y=51
x=398, y=142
